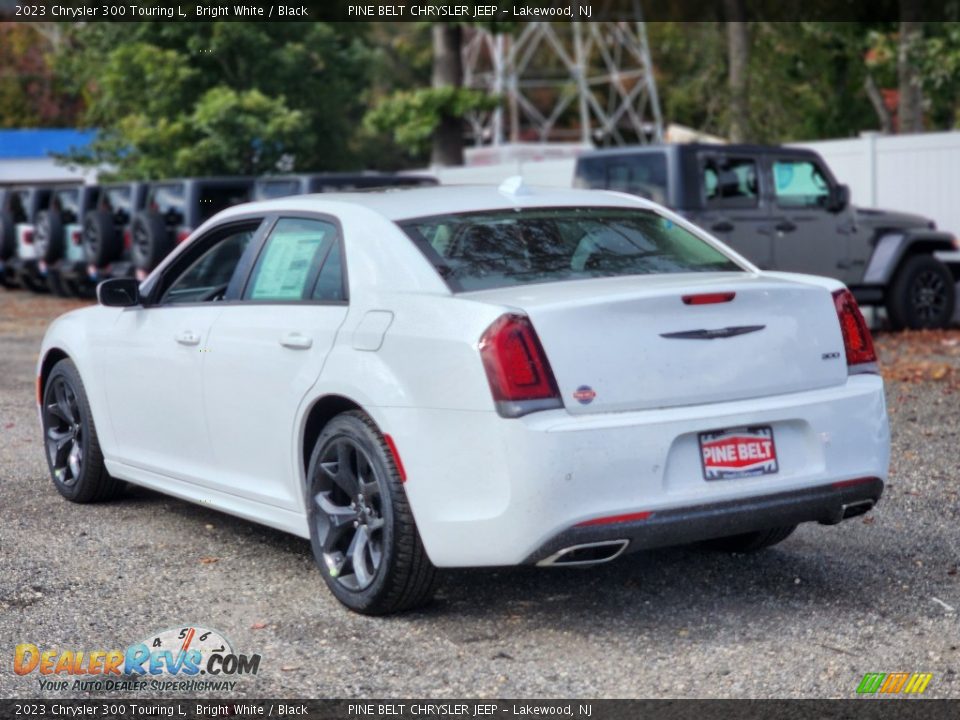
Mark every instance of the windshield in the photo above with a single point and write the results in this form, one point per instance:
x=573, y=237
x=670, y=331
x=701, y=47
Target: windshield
x=505, y=248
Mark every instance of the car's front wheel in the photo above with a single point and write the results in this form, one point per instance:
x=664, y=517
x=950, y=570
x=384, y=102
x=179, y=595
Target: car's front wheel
x=70, y=438
x=362, y=532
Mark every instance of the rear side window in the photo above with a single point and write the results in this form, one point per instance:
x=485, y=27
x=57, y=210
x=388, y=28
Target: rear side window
x=269, y=189
x=730, y=182
x=291, y=261
x=506, y=248
x=800, y=184
x=643, y=174
x=168, y=200
x=215, y=198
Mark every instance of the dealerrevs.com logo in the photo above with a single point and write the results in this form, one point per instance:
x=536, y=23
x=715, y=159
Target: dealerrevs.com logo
x=185, y=659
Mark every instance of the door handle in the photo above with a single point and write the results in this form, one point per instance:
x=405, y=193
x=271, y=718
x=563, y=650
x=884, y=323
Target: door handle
x=188, y=338
x=722, y=226
x=296, y=341
x=785, y=227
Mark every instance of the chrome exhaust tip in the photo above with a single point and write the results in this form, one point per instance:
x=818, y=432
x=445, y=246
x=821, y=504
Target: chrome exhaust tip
x=857, y=508
x=586, y=554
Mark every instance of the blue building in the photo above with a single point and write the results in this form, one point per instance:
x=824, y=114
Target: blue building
x=26, y=155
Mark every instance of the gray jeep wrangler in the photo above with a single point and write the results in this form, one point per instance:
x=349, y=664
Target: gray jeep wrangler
x=782, y=208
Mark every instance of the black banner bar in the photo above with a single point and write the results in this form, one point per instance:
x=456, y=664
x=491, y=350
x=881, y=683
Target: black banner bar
x=489, y=11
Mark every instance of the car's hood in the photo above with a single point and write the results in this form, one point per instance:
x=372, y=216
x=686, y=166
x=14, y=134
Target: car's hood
x=891, y=219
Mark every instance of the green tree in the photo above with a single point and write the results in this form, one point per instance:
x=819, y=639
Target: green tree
x=220, y=98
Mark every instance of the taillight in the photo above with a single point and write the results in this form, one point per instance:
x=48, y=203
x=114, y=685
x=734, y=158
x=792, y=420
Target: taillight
x=28, y=236
x=127, y=239
x=182, y=235
x=861, y=357
x=76, y=236
x=708, y=298
x=520, y=376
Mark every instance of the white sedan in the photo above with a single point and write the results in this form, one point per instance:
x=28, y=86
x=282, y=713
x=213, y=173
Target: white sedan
x=470, y=376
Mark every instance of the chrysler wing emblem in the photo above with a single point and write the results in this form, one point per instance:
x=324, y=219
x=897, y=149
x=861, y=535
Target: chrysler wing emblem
x=714, y=333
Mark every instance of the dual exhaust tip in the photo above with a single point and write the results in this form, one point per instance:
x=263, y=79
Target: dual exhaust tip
x=586, y=554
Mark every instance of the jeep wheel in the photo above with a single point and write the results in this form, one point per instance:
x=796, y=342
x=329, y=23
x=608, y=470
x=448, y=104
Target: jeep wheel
x=102, y=244
x=48, y=236
x=922, y=294
x=152, y=240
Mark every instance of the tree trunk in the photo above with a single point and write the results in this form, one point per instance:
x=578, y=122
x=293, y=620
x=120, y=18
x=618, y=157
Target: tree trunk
x=447, y=72
x=879, y=107
x=910, y=113
x=738, y=59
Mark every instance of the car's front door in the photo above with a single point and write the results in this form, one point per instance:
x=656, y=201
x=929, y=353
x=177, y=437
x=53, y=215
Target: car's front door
x=807, y=236
x=266, y=351
x=152, y=357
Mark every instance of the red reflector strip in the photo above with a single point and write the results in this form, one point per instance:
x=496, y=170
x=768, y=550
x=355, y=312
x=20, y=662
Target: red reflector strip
x=396, y=457
x=855, y=481
x=39, y=398
x=610, y=520
x=708, y=298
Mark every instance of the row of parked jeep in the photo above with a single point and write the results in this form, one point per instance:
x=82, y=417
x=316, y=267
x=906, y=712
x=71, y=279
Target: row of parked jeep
x=66, y=238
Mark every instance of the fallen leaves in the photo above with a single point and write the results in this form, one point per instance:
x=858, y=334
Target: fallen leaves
x=209, y=560
x=921, y=356
x=258, y=626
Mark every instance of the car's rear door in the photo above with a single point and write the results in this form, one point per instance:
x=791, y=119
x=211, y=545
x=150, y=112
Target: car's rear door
x=266, y=350
x=152, y=356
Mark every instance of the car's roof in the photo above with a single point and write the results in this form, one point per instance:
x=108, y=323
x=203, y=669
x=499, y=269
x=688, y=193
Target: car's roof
x=726, y=148
x=409, y=203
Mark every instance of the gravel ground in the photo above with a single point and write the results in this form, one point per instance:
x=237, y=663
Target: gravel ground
x=805, y=619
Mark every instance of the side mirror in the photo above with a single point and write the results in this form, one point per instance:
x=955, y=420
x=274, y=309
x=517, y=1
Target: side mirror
x=119, y=292
x=839, y=198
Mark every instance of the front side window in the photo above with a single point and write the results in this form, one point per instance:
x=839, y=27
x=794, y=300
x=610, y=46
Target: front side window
x=730, y=182
x=292, y=259
x=208, y=277
x=800, y=184
x=506, y=248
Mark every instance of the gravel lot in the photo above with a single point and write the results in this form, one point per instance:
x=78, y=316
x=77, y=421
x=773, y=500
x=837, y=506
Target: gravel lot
x=879, y=593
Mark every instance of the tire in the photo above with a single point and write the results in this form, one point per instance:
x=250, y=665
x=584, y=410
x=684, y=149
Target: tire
x=8, y=235
x=152, y=241
x=750, y=542
x=922, y=294
x=48, y=236
x=70, y=439
x=33, y=282
x=58, y=286
x=102, y=244
x=364, y=540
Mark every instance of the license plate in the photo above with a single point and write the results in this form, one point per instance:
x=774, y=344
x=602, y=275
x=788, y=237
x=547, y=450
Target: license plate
x=738, y=453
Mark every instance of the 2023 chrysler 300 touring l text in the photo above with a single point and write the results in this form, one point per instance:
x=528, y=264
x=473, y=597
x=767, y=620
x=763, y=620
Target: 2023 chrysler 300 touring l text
x=458, y=376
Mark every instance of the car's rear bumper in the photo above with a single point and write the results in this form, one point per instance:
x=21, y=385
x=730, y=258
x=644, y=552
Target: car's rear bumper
x=491, y=491
x=827, y=504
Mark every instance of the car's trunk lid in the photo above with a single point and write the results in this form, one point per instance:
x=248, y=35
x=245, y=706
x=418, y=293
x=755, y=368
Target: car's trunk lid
x=633, y=343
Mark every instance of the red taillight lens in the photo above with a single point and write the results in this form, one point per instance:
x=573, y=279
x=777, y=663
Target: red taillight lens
x=708, y=298
x=28, y=237
x=520, y=376
x=76, y=236
x=857, y=341
x=127, y=239
x=182, y=235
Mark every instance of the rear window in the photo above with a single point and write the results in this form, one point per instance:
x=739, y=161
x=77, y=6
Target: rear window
x=506, y=248
x=119, y=201
x=215, y=198
x=643, y=174
x=267, y=190
x=168, y=200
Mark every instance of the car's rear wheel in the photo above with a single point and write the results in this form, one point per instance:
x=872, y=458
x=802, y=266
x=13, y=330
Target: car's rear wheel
x=70, y=439
x=362, y=532
x=922, y=294
x=750, y=542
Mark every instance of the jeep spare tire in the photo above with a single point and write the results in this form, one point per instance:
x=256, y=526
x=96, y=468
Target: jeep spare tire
x=48, y=236
x=102, y=244
x=152, y=241
x=8, y=235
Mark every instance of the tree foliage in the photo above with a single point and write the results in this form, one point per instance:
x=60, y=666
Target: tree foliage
x=219, y=98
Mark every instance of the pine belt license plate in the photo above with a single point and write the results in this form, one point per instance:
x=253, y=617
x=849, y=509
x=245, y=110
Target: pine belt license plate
x=738, y=453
